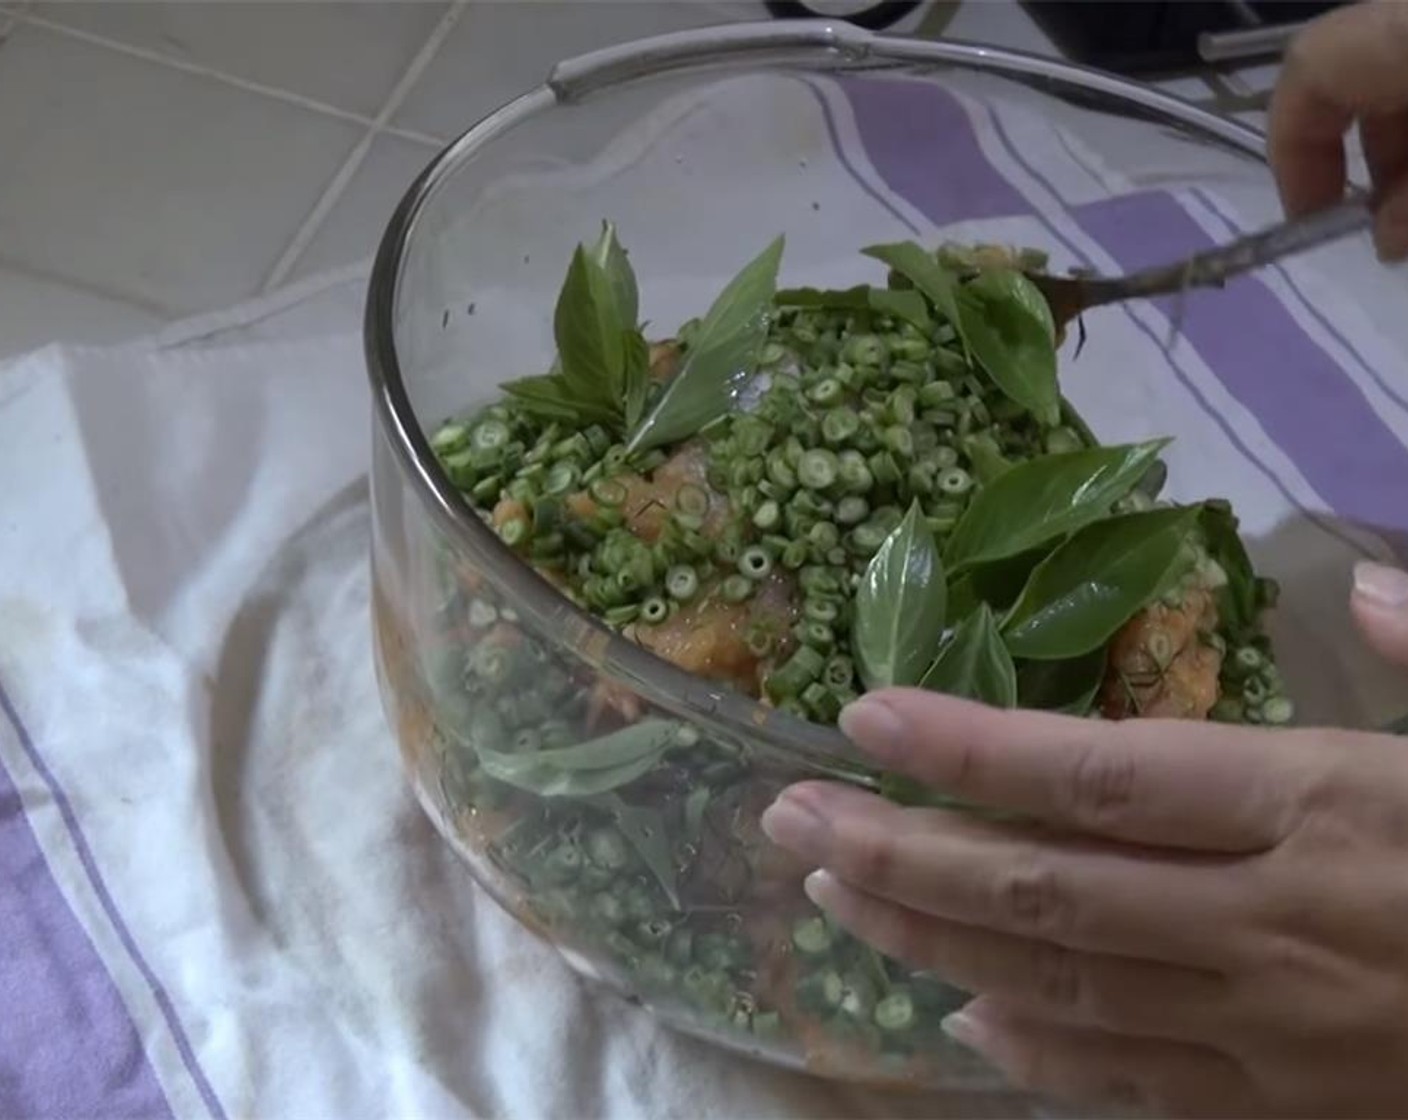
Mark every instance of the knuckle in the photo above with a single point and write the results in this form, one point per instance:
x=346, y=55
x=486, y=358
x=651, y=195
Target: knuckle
x=1122, y=1092
x=1394, y=25
x=966, y=766
x=906, y=937
x=1033, y=1061
x=1311, y=803
x=1300, y=54
x=1058, y=976
x=872, y=862
x=1282, y=957
x=1101, y=784
x=1373, y=1014
x=1026, y=1062
x=1033, y=899
x=1314, y=45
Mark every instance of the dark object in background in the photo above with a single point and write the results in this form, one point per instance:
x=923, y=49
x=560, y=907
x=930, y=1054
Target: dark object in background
x=1127, y=36
x=1140, y=36
x=873, y=17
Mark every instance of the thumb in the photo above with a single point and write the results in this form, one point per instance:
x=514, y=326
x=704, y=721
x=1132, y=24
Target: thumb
x=1379, y=603
x=1391, y=219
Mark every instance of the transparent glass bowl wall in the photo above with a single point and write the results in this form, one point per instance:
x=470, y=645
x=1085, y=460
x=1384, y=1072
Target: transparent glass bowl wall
x=701, y=148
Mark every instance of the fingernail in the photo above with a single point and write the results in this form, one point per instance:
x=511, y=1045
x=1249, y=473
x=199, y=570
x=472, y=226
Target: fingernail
x=965, y=1030
x=1380, y=584
x=819, y=887
x=873, y=726
x=790, y=824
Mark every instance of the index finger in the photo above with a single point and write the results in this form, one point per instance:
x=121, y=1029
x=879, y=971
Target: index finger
x=1346, y=65
x=1166, y=783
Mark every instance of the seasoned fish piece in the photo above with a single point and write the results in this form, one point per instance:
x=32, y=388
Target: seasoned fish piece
x=1160, y=667
x=710, y=636
x=648, y=503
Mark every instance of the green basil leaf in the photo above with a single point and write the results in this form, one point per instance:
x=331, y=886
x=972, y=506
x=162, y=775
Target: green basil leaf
x=636, y=377
x=906, y=791
x=1095, y=582
x=589, y=330
x=723, y=352
x=1062, y=686
x=963, y=597
x=834, y=299
x=1238, y=603
x=989, y=463
x=1008, y=284
x=694, y=806
x=544, y=395
x=553, y=398
x=923, y=270
x=594, y=767
x=974, y=663
x=908, y=305
x=1011, y=343
x=1044, y=498
x=548, y=781
x=998, y=582
x=647, y=737
x=900, y=606
x=608, y=253
x=644, y=829
x=633, y=383
x=1152, y=484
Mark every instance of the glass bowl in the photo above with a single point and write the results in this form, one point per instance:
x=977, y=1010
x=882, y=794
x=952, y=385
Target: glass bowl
x=701, y=148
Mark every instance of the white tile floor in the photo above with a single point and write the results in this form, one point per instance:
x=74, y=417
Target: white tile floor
x=168, y=158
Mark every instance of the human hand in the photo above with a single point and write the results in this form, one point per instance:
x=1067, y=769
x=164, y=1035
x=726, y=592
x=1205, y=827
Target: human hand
x=1200, y=919
x=1348, y=67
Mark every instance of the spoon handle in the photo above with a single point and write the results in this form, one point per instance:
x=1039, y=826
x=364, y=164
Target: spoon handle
x=1212, y=267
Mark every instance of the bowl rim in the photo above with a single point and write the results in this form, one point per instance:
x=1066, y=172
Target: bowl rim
x=723, y=709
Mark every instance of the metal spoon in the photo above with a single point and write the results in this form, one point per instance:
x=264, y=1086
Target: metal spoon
x=1069, y=296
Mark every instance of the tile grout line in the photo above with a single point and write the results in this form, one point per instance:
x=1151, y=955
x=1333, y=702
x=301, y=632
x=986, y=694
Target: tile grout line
x=87, y=287
x=338, y=184
x=21, y=16
x=11, y=18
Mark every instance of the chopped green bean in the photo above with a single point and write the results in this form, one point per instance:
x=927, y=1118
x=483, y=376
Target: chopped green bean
x=811, y=936
x=682, y=582
x=895, y=1012
x=955, y=481
x=767, y=516
x=755, y=563
x=816, y=470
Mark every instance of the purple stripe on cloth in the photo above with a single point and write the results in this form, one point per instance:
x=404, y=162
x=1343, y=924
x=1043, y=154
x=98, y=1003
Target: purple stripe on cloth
x=1307, y=305
x=844, y=157
x=36, y=1011
x=920, y=140
x=68, y=1047
x=1245, y=335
